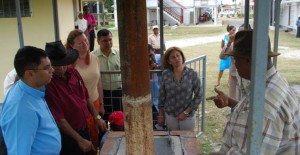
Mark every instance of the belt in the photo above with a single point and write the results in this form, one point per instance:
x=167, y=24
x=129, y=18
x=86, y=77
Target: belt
x=157, y=51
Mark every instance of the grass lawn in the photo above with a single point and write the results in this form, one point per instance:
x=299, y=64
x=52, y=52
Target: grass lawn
x=216, y=118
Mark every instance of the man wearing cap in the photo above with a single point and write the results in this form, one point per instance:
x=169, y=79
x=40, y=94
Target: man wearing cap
x=116, y=121
x=298, y=27
x=27, y=124
x=280, y=133
x=67, y=98
x=154, y=40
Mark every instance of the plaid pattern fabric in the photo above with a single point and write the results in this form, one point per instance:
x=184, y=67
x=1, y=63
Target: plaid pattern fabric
x=281, y=126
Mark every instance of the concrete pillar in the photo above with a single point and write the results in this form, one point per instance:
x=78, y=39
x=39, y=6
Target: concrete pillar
x=136, y=98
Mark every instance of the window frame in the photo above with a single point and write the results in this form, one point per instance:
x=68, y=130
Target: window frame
x=8, y=8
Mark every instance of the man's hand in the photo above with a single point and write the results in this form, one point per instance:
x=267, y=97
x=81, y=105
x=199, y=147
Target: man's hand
x=221, y=100
x=86, y=145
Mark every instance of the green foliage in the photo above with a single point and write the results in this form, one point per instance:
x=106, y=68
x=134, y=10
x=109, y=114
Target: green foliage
x=108, y=5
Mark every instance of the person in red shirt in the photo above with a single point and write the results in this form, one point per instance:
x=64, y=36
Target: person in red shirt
x=67, y=98
x=92, y=22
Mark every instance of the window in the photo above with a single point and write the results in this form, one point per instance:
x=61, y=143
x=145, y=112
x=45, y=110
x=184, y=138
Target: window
x=8, y=8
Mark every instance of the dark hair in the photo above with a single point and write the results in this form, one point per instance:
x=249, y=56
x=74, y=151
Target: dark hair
x=243, y=25
x=103, y=32
x=115, y=127
x=229, y=28
x=84, y=7
x=28, y=57
x=166, y=56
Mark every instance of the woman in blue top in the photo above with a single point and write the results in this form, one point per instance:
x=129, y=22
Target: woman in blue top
x=225, y=64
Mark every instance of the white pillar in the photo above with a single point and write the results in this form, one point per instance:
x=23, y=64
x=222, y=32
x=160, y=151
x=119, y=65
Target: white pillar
x=216, y=15
x=115, y=14
x=98, y=12
x=157, y=16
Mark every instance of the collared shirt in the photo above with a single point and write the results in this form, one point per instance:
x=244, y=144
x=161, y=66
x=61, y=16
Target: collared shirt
x=9, y=81
x=154, y=40
x=27, y=124
x=175, y=96
x=280, y=133
x=110, y=63
x=67, y=99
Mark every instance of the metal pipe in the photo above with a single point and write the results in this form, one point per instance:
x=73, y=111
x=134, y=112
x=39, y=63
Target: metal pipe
x=246, y=18
x=161, y=27
x=258, y=76
x=203, y=91
x=55, y=19
x=276, y=33
x=19, y=21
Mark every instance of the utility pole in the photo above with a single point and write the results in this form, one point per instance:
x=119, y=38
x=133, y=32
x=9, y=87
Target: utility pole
x=136, y=98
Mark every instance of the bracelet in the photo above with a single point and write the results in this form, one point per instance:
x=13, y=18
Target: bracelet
x=98, y=117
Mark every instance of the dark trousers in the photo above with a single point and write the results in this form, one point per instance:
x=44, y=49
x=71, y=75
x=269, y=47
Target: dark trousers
x=112, y=102
x=92, y=40
x=298, y=32
x=70, y=146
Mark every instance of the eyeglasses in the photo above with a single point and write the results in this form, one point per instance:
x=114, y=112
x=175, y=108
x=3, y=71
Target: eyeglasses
x=48, y=67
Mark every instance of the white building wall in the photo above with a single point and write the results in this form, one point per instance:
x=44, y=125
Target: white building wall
x=289, y=13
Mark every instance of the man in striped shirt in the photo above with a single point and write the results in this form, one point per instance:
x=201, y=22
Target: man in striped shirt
x=281, y=125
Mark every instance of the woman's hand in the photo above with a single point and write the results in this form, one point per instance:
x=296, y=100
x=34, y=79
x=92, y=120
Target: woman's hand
x=181, y=117
x=100, y=125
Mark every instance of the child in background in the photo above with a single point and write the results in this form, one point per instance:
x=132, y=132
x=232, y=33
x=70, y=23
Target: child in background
x=116, y=123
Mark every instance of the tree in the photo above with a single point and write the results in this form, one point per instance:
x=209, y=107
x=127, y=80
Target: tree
x=108, y=5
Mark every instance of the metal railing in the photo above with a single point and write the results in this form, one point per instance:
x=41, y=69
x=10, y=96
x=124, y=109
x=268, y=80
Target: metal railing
x=198, y=64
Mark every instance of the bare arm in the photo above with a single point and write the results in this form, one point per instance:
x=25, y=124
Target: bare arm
x=100, y=91
x=222, y=44
x=100, y=123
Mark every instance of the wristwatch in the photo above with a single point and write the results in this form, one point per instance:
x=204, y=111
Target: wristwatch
x=186, y=113
x=98, y=117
